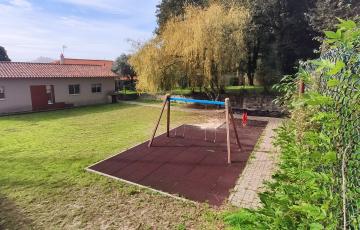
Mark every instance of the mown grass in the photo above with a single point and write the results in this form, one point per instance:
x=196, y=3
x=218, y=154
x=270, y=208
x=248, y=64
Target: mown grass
x=128, y=92
x=241, y=89
x=43, y=183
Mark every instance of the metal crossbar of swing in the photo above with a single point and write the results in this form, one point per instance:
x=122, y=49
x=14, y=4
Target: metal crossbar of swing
x=196, y=101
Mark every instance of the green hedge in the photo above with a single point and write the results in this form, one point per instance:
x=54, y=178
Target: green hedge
x=317, y=185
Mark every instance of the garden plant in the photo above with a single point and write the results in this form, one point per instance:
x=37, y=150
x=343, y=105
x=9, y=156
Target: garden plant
x=317, y=183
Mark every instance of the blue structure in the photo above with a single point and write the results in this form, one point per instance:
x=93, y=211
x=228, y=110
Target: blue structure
x=203, y=102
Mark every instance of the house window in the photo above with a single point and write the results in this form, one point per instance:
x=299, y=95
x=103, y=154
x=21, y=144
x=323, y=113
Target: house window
x=2, y=92
x=96, y=88
x=74, y=89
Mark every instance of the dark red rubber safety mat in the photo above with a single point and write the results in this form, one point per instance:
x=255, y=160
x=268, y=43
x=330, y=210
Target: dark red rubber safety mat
x=190, y=166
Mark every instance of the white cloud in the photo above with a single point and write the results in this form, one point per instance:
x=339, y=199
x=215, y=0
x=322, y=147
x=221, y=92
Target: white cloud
x=30, y=32
x=21, y=3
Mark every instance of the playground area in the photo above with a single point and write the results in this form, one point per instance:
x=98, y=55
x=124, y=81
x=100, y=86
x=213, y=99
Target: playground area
x=46, y=153
x=200, y=162
x=188, y=167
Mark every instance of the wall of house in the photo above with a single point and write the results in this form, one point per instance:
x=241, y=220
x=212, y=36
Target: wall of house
x=18, y=96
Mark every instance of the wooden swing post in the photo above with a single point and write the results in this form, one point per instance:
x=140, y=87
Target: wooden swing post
x=166, y=100
x=227, y=112
x=168, y=118
x=234, y=126
x=229, y=115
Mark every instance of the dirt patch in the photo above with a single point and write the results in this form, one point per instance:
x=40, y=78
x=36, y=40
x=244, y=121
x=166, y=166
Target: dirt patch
x=12, y=216
x=116, y=206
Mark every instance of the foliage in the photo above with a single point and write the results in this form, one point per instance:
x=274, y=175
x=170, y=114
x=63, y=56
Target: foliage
x=156, y=69
x=173, y=8
x=184, y=49
x=318, y=15
x=229, y=90
x=300, y=196
x=317, y=185
x=245, y=90
x=234, y=81
x=280, y=33
x=339, y=79
x=3, y=54
x=122, y=67
x=286, y=88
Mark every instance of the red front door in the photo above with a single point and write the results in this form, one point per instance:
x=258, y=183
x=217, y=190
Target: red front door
x=39, y=97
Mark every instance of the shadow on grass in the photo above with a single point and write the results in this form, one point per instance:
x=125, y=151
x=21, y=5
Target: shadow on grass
x=11, y=216
x=71, y=112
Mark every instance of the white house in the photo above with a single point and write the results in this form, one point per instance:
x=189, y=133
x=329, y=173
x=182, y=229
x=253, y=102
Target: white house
x=38, y=86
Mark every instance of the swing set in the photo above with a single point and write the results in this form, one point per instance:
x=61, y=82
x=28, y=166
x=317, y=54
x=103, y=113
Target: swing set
x=229, y=118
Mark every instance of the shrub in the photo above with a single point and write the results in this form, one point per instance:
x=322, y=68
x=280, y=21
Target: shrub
x=317, y=183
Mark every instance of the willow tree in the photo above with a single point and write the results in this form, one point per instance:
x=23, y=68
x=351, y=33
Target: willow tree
x=202, y=46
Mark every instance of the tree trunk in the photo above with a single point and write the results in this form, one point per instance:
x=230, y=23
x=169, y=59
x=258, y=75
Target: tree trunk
x=251, y=79
x=253, y=55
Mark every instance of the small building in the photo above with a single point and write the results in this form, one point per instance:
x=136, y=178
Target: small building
x=120, y=81
x=76, y=61
x=39, y=86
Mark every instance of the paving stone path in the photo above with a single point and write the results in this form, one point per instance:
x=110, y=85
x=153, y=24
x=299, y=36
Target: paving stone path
x=261, y=166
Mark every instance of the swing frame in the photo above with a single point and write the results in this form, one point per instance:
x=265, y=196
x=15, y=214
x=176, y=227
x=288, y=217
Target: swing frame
x=229, y=116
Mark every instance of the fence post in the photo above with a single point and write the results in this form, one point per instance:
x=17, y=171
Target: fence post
x=301, y=87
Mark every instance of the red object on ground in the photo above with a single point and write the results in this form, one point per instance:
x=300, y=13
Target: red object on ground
x=186, y=166
x=244, y=119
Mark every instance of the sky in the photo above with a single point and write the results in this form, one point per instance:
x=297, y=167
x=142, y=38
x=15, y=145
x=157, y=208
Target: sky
x=91, y=29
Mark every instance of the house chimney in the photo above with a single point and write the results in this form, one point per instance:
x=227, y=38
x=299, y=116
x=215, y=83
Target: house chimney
x=62, y=59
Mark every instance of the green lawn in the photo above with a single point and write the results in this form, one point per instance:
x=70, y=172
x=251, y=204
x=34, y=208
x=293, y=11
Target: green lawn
x=43, y=183
x=128, y=92
x=244, y=89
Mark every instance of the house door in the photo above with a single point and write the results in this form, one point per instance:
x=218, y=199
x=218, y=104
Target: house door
x=42, y=96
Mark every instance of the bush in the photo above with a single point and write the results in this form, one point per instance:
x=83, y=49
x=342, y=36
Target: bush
x=234, y=81
x=317, y=184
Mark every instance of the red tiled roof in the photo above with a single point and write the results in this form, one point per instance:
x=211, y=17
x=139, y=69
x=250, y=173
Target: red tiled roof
x=50, y=70
x=71, y=61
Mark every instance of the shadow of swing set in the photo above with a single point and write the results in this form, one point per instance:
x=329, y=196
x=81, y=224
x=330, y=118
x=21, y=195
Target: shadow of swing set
x=229, y=118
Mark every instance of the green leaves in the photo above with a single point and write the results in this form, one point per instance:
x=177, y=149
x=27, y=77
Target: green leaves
x=330, y=68
x=345, y=36
x=330, y=157
x=339, y=65
x=298, y=197
x=309, y=210
x=333, y=82
x=316, y=99
x=333, y=35
x=324, y=124
x=346, y=24
x=316, y=226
